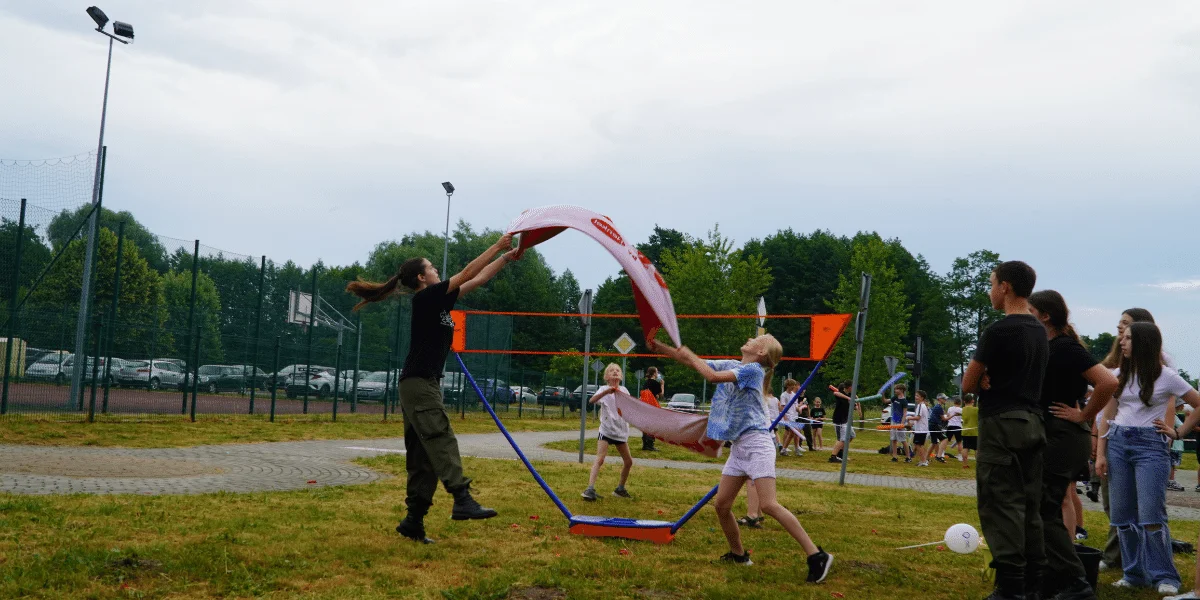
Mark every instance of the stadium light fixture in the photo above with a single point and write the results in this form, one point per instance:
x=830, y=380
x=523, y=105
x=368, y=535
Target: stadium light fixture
x=449, y=187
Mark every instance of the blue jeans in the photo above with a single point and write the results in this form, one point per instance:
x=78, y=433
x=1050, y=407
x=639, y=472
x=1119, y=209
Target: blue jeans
x=1138, y=467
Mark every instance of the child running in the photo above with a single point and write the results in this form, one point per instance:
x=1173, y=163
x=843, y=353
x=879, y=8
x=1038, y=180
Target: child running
x=613, y=431
x=737, y=416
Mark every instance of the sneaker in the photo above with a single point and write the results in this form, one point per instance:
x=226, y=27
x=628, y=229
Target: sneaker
x=941, y=459
x=922, y=464
x=1167, y=589
x=834, y=459
x=1103, y=566
x=1078, y=589
x=785, y=452
x=737, y=559
x=620, y=492
x=818, y=566
x=1122, y=583
x=589, y=494
x=751, y=522
x=1173, y=486
x=908, y=460
x=1093, y=492
x=894, y=459
x=951, y=456
x=1191, y=595
x=1081, y=533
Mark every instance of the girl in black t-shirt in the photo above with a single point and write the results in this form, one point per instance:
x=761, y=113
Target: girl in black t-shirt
x=429, y=442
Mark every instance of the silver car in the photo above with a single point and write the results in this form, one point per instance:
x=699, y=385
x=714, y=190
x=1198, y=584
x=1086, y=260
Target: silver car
x=153, y=375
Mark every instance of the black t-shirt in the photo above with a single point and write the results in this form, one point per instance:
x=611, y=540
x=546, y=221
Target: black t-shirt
x=841, y=411
x=655, y=387
x=819, y=413
x=432, y=331
x=1014, y=350
x=1064, y=381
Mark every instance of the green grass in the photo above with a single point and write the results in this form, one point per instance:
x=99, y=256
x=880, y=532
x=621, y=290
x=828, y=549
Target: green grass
x=338, y=543
x=165, y=432
x=860, y=462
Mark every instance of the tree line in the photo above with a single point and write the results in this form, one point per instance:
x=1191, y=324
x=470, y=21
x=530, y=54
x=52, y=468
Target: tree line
x=708, y=273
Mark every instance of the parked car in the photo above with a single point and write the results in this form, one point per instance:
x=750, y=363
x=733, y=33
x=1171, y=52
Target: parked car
x=524, y=395
x=254, y=377
x=33, y=355
x=578, y=397
x=152, y=375
x=495, y=390
x=373, y=385
x=552, y=395
x=284, y=376
x=319, y=383
x=215, y=379
x=58, y=367
x=686, y=401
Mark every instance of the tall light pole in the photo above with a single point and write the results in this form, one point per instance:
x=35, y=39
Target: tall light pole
x=120, y=30
x=449, y=187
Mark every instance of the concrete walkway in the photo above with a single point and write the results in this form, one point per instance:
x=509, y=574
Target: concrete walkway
x=297, y=465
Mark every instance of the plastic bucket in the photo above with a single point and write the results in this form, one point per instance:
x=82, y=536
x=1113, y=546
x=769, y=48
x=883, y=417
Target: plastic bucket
x=1090, y=557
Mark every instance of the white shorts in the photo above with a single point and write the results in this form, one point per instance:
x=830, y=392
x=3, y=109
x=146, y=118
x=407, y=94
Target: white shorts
x=752, y=455
x=898, y=435
x=841, y=432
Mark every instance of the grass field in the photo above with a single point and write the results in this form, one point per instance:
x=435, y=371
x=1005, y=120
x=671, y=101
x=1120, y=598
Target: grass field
x=175, y=432
x=339, y=543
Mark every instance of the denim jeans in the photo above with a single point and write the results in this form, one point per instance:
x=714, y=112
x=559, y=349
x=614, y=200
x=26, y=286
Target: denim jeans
x=1138, y=468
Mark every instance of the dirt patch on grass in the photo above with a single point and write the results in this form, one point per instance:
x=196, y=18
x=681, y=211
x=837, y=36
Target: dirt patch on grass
x=536, y=593
x=859, y=565
x=655, y=594
x=35, y=463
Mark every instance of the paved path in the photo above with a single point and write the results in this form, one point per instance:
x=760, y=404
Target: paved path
x=298, y=465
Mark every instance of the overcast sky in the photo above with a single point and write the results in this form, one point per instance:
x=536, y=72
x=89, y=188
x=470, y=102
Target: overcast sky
x=1065, y=134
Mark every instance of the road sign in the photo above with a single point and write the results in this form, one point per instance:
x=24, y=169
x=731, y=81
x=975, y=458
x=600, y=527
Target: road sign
x=585, y=307
x=640, y=374
x=892, y=362
x=625, y=344
x=598, y=365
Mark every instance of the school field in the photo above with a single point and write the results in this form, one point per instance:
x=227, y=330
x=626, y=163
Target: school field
x=338, y=542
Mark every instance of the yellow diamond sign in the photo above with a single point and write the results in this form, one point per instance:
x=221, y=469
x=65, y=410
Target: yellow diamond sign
x=624, y=344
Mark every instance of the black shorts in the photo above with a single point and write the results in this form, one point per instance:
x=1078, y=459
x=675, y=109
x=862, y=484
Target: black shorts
x=970, y=442
x=954, y=433
x=919, y=438
x=612, y=441
x=817, y=425
x=936, y=436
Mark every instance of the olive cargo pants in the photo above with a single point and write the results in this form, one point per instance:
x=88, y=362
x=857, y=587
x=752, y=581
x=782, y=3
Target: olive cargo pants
x=1008, y=480
x=431, y=449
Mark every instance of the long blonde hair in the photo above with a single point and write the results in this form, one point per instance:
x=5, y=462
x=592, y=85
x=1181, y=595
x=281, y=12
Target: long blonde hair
x=771, y=360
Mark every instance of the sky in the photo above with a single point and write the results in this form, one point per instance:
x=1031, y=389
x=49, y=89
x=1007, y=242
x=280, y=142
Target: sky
x=1064, y=134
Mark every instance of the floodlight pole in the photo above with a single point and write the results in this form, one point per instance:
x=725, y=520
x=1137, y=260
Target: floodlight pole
x=860, y=330
x=446, y=244
x=94, y=229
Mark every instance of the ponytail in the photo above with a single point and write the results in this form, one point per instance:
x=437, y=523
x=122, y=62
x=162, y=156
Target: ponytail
x=370, y=291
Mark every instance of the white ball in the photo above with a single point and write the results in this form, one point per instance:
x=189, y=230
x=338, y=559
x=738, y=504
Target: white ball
x=962, y=538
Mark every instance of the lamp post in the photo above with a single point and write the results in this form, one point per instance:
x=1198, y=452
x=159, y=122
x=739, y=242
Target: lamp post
x=120, y=30
x=449, y=187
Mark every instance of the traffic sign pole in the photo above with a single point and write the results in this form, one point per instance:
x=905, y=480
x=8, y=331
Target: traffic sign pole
x=585, y=312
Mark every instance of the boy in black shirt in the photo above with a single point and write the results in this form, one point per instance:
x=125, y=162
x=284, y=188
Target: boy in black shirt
x=1007, y=373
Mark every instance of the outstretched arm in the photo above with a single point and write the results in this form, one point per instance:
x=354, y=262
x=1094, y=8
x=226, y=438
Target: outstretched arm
x=488, y=272
x=475, y=267
x=685, y=356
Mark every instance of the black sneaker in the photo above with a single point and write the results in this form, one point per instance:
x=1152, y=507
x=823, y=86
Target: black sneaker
x=1093, y=492
x=465, y=507
x=620, y=492
x=589, y=494
x=1078, y=589
x=908, y=460
x=894, y=459
x=737, y=559
x=951, y=456
x=751, y=522
x=834, y=459
x=999, y=595
x=413, y=530
x=818, y=566
x=1080, y=533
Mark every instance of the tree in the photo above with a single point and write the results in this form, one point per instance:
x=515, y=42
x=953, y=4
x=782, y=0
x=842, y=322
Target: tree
x=971, y=311
x=1100, y=345
x=35, y=256
x=887, y=318
x=931, y=318
x=177, y=294
x=59, y=232
x=140, y=307
x=712, y=277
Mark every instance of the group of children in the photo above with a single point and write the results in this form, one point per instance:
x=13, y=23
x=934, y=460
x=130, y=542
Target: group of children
x=933, y=430
x=802, y=417
x=743, y=409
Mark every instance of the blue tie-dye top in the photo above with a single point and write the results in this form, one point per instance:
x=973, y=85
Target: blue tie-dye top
x=737, y=407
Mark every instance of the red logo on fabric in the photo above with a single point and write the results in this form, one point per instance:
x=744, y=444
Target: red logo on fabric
x=642, y=257
x=660, y=281
x=608, y=230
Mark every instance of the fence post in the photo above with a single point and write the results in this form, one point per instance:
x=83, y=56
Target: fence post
x=387, y=384
x=12, y=308
x=195, y=373
x=357, y=360
x=395, y=354
x=312, y=321
x=112, y=317
x=187, y=344
x=337, y=380
x=262, y=277
x=97, y=324
x=274, y=384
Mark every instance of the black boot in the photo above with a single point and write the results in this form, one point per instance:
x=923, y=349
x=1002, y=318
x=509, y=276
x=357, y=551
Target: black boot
x=465, y=507
x=413, y=525
x=1078, y=589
